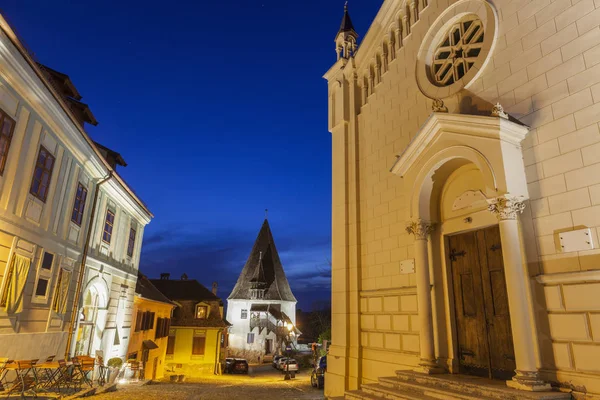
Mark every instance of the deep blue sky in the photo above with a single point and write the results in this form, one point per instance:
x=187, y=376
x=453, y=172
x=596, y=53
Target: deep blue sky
x=220, y=110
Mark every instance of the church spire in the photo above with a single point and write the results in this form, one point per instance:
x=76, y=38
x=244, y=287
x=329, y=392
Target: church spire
x=346, y=25
x=346, y=39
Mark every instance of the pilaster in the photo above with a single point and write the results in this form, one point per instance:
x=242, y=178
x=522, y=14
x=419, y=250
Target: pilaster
x=507, y=210
x=422, y=232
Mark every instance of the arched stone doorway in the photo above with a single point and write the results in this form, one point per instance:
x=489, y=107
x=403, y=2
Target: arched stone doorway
x=92, y=318
x=481, y=155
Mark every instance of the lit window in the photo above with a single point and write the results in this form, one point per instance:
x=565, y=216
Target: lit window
x=131, y=243
x=201, y=312
x=79, y=205
x=458, y=51
x=250, y=338
x=7, y=126
x=42, y=174
x=244, y=314
x=109, y=221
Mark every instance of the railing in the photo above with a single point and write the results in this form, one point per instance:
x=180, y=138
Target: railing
x=265, y=323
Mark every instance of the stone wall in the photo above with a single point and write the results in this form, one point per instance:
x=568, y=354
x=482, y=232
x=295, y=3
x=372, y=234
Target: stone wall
x=545, y=71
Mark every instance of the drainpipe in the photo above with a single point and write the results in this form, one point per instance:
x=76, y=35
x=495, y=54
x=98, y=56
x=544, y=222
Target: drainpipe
x=73, y=321
x=218, y=354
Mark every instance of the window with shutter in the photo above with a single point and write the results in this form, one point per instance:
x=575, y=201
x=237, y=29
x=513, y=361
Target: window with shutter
x=198, y=343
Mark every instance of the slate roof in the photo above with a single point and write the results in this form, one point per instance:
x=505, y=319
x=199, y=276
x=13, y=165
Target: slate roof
x=184, y=290
x=277, y=286
x=147, y=290
x=346, y=25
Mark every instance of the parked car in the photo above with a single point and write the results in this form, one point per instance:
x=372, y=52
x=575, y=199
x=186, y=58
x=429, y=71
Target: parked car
x=236, y=366
x=280, y=362
x=276, y=361
x=290, y=365
x=227, y=366
x=317, y=377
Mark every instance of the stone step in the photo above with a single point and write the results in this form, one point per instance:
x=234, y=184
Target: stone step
x=359, y=395
x=381, y=391
x=475, y=387
x=431, y=391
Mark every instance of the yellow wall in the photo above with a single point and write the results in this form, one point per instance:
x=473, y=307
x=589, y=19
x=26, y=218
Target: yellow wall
x=161, y=310
x=183, y=362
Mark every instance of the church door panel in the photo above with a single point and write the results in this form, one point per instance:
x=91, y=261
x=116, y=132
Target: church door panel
x=470, y=310
x=484, y=336
x=502, y=353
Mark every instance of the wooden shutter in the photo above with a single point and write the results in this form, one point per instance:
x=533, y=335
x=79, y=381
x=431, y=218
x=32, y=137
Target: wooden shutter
x=198, y=345
x=171, y=345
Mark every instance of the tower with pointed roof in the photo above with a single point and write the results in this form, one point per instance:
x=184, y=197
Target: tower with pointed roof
x=261, y=306
x=346, y=39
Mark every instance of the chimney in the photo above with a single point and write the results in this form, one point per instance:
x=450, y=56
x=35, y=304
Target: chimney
x=184, y=277
x=165, y=276
x=214, y=288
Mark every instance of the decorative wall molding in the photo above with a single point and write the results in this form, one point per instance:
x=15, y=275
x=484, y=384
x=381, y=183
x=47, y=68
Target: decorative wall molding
x=569, y=277
x=421, y=229
x=506, y=207
x=400, y=291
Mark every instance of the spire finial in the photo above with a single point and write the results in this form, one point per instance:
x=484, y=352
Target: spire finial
x=266, y=213
x=346, y=6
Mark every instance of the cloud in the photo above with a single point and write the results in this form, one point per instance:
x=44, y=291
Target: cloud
x=219, y=255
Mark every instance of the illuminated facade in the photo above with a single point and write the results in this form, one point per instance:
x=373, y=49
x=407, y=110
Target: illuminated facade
x=53, y=176
x=197, y=336
x=261, y=306
x=149, y=336
x=465, y=195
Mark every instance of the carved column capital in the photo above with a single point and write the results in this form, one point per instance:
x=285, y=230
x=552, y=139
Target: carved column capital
x=506, y=207
x=421, y=229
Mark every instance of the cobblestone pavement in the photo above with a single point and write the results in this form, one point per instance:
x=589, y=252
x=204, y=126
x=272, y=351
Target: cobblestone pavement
x=264, y=384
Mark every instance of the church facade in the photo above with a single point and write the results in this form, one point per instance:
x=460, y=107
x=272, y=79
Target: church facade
x=261, y=306
x=466, y=194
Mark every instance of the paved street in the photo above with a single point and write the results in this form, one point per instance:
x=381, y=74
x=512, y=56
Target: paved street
x=264, y=384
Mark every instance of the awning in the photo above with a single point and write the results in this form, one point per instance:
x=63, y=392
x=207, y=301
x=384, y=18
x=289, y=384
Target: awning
x=149, y=344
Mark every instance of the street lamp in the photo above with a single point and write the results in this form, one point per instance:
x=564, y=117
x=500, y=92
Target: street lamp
x=290, y=328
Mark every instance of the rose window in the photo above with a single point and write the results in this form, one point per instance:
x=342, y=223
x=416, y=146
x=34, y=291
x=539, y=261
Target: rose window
x=458, y=51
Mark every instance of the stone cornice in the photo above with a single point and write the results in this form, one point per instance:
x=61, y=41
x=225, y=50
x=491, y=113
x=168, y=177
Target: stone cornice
x=494, y=128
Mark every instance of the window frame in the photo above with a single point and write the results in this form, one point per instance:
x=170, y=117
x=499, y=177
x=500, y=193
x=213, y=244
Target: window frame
x=4, y=153
x=250, y=338
x=109, y=224
x=43, y=274
x=37, y=193
x=244, y=313
x=79, y=205
x=131, y=241
x=199, y=337
x=206, y=309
